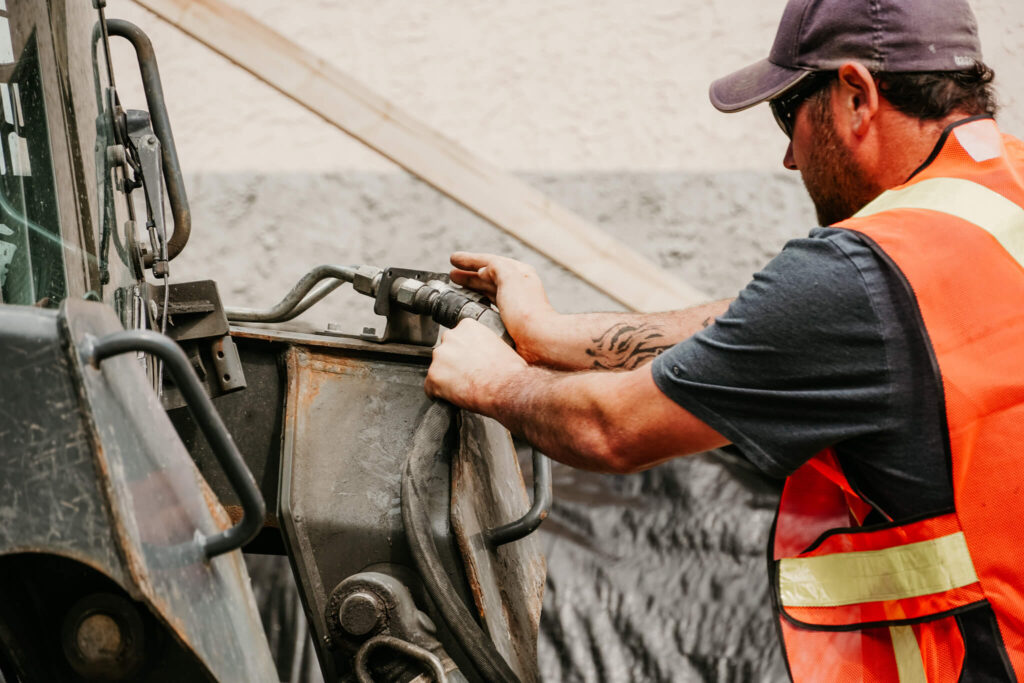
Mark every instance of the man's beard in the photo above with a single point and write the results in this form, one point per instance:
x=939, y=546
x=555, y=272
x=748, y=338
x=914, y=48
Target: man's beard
x=838, y=186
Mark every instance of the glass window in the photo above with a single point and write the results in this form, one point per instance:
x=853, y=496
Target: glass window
x=32, y=269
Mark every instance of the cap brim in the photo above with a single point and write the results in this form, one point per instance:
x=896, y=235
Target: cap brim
x=756, y=83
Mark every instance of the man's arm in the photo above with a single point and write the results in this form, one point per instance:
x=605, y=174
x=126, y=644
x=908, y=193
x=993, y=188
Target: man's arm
x=601, y=421
x=587, y=341
x=616, y=341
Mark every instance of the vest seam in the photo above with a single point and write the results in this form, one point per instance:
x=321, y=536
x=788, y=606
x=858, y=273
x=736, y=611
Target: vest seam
x=825, y=535
x=843, y=628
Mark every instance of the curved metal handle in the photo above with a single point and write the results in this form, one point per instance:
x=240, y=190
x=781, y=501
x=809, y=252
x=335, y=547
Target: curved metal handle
x=94, y=351
x=538, y=512
x=173, y=179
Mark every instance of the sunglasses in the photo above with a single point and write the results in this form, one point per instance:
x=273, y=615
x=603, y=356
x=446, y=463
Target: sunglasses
x=785, y=106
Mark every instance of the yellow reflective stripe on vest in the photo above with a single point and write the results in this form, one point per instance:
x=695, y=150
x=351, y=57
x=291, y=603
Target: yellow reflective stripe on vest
x=909, y=663
x=850, y=578
x=964, y=199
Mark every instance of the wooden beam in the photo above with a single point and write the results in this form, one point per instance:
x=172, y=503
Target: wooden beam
x=606, y=263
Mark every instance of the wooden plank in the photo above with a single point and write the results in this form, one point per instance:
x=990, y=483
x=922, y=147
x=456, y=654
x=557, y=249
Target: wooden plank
x=601, y=260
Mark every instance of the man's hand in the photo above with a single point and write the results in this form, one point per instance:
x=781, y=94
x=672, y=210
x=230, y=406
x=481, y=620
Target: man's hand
x=470, y=367
x=516, y=289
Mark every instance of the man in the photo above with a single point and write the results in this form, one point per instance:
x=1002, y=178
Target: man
x=876, y=364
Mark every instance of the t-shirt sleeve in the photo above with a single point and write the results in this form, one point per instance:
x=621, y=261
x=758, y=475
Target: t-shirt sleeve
x=797, y=363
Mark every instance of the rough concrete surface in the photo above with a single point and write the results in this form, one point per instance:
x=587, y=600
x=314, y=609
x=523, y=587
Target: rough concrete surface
x=600, y=104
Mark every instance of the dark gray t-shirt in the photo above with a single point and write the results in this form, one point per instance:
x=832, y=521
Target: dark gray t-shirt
x=822, y=349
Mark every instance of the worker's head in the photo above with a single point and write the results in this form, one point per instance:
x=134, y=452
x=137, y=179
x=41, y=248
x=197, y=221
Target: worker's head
x=848, y=79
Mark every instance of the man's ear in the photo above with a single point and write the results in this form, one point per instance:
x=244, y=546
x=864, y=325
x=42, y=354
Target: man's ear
x=856, y=97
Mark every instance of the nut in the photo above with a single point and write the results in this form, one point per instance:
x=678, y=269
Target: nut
x=407, y=292
x=366, y=279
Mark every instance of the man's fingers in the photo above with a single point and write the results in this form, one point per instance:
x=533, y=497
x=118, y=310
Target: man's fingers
x=467, y=260
x=473, y=281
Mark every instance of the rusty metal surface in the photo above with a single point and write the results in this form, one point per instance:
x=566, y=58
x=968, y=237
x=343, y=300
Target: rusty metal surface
x=507, y=582
x=347, y=425
x=281, y=333
x=159, y=503
x=349, y=422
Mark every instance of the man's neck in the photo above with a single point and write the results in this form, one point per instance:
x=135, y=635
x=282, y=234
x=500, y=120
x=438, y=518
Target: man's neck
x=909, y=142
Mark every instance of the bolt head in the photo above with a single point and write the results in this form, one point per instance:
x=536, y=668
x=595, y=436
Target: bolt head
x=360, y=613
x=99, y=638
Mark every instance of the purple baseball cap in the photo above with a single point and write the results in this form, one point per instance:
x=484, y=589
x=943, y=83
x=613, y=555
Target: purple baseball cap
x=884, y=35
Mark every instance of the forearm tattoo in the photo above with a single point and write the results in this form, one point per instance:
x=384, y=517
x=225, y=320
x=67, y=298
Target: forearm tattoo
x=625, y=346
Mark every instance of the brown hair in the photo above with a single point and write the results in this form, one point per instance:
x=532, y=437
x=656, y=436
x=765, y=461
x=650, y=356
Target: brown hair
x=931, y=95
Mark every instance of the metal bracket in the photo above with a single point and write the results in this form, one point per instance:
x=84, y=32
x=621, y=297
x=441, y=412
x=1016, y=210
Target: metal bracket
x=402, y=326
x=373, y=605
x=199, y=324
x=147, y=145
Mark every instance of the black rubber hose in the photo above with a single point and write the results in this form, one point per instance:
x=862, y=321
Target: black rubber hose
x=406, y=648
x=477, y=645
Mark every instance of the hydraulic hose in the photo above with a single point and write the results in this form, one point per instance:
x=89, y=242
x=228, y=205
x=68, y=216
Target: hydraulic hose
x=426, y=657
x=428, y=441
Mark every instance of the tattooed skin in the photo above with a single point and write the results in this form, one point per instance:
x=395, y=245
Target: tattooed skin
x=625, y=346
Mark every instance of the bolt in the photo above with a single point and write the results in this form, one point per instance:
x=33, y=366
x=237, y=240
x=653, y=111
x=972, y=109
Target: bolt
x=99, y=638
x=150, y=140
x=360, y=613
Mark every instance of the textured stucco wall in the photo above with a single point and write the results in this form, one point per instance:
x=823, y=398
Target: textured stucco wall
x=530, y=85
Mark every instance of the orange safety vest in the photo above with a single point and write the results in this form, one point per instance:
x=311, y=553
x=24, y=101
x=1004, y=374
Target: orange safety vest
x=878, y=602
